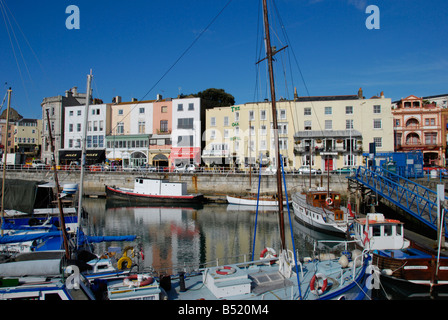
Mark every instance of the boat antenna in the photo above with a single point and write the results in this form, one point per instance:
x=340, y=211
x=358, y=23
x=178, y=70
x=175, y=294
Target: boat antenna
x=269, y=56
x=83, y=156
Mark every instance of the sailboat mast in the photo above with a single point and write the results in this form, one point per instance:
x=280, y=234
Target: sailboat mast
x=5, y=153
x=83, y=154
x=269, y=54
x=56, y=181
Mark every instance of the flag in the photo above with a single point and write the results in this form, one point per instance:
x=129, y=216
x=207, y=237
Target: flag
x=349, y=207
x=366, y=232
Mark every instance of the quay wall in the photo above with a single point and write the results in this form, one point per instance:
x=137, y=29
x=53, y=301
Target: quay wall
x=208, y=184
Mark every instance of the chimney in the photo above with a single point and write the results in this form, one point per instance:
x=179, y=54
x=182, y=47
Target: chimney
x=382, y=95
x=116, y=99
x=75, y=91
x=159, y=97
x=360, y=96
x=296, y=97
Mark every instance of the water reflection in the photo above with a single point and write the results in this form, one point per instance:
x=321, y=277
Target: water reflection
x=178, y=236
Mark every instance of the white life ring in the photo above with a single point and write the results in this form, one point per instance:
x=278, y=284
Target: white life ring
x=268, y=253
x=138, y=281
x=329, y=201
x=314, y=284
x=226, y=270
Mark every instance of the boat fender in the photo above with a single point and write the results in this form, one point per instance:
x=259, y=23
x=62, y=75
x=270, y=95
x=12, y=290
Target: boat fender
x=386, y=272
x=343, y=261
x=226, y=270
x=314, y=284
x=126, y=260
x=138, y=280
x=268, y=253
x=329, y=201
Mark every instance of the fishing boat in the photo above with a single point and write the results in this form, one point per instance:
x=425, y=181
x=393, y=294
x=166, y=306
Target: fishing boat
x=321, y=210
x=154, y=191
x=401, y=261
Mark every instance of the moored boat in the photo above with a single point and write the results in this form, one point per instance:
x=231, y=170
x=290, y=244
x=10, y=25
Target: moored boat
x=154, y=191
x=400, y=260
x=253, y=201
x=321, y=210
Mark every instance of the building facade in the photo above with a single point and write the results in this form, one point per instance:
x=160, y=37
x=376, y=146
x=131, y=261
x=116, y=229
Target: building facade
x=418, y=126
x=98, y=123
x=56, y=111
x=330, y=131
x=27, y=137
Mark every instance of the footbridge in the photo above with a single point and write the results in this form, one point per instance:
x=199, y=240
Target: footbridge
x=415, y=199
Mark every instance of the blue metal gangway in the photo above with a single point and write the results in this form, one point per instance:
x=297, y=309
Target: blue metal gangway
x=415, y=199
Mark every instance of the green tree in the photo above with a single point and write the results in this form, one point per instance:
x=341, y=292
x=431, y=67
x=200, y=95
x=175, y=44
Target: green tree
x=216, y=98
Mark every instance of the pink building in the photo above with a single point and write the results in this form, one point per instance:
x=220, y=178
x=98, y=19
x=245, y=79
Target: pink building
x=160, y=141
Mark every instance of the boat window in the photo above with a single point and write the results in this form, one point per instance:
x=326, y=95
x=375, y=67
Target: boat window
x=376, y=231
x=388, y=230
x=52, y=296
x=141, y=181
x=399, y=229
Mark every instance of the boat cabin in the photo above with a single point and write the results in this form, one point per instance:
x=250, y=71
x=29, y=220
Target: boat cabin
x=328, y=200
x=375, y=232
x=159, y=187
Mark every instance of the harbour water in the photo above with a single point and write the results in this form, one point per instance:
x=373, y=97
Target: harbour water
x=173, y=237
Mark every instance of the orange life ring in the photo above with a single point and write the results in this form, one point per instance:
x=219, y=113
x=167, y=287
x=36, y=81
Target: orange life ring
x=315, y=280
x=226, y=270
x=268, y=253
x=133, y=281
x=329, y=201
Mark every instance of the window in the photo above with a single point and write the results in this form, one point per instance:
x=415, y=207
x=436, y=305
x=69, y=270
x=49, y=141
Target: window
x=120, y=128
x=377, y=124
x=79, y=112
x=141, y=127
x=226, y=133
x=307, y=111
x=213, y=135
x=237, y=116
x=328, y=124
x=307, y=125
x=283, y=143
x=282, y=114
x=397, y=122
x=185, y=123
x=70, y=127
x=163, y=125
x=263, y=145
x=430, y=122
x=164, y=109
x=251, y=115
x=78, y=127
x=237, y=131
x=101, y=125
x=180, y=107
x=141, y=110
x=120, y=112
x=328, y=110
x=70, y=113
x=282, y=128
x=95, y=125
x=262, y=114
x=252, y=130
x=378, y=142
x=376, y=109
x=70, y=143
x=263, y=131
x=190, y=106
x=185, y=141
x=349, y=124
x=226, y=121
x=349, y=110
x=431, y=138
x=212, y=121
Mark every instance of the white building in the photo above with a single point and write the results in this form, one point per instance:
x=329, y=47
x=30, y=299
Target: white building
x=97, y=128
x=188, y=122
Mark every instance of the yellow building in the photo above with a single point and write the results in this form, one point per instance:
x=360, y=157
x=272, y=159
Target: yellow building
x=332, y=131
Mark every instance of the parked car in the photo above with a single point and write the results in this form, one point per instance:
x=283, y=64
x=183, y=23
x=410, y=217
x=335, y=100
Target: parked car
x=344, y=170
x=189, y=168
x=38, y=164
x=147, y=168
x=306, y=170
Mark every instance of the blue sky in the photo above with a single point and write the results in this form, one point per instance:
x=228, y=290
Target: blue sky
x=130, y=45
